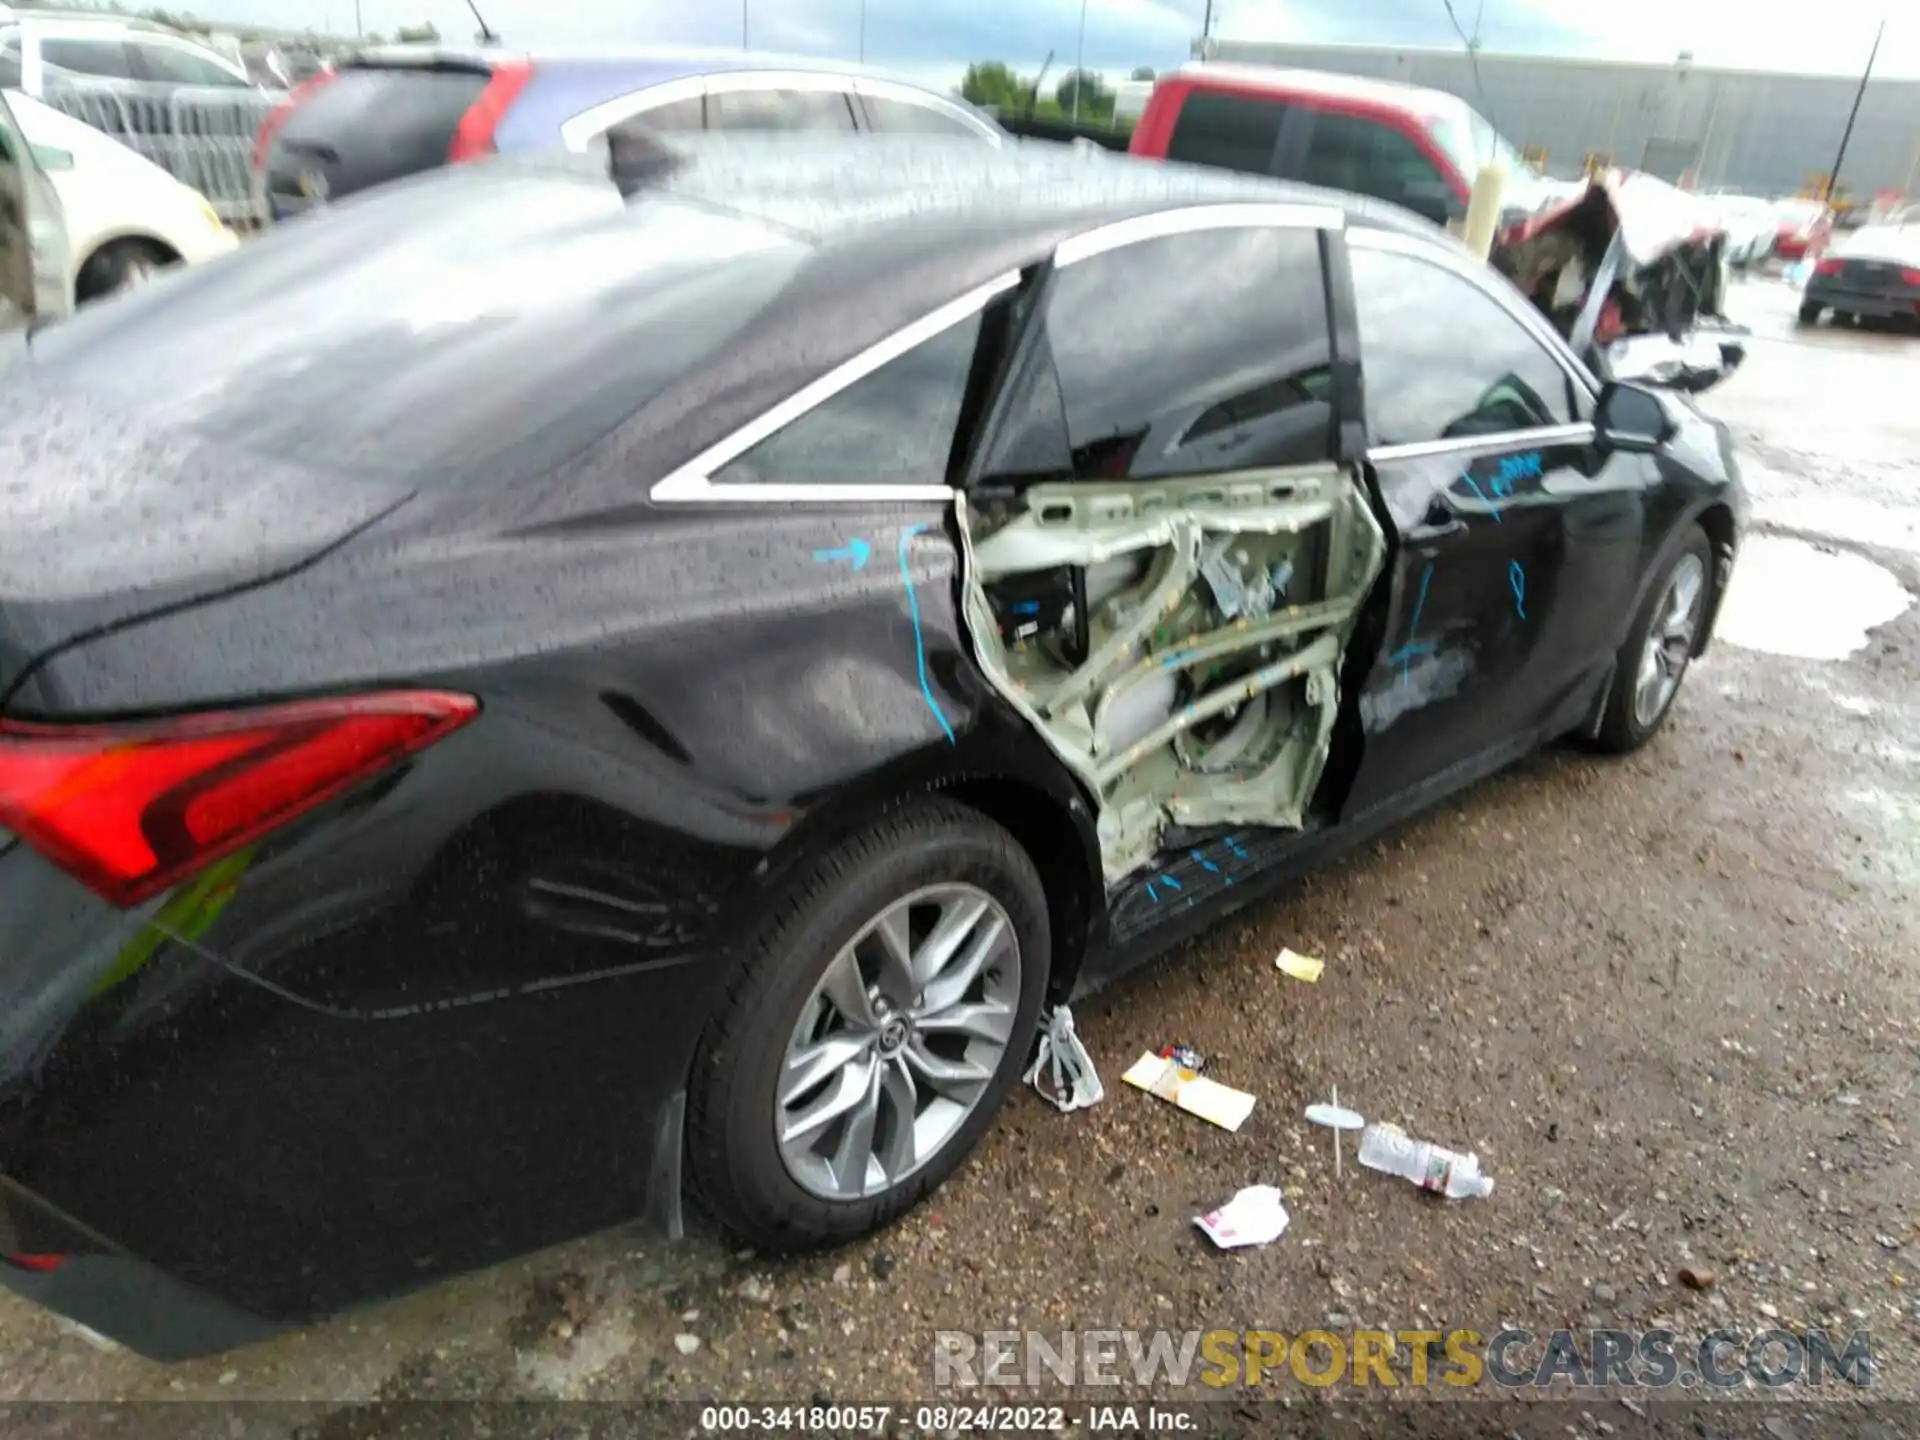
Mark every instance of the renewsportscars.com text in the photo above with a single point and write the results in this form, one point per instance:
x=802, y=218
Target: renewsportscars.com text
x=1456, y=1359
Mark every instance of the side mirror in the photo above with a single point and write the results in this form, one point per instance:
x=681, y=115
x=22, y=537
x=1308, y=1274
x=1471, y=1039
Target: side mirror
x=1631, y=419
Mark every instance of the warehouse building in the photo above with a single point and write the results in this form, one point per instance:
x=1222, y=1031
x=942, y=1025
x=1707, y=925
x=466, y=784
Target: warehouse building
x=1762, y=132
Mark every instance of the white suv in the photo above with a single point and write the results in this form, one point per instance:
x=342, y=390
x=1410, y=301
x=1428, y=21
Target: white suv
x=42, y=47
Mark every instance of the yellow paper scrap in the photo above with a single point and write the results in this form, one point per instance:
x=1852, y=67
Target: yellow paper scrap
x=1209, y=1099
x=1300, y=967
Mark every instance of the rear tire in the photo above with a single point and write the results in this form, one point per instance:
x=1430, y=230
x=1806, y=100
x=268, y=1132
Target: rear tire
x=1650, y=666
x=1810, y=312
x=789, y=1011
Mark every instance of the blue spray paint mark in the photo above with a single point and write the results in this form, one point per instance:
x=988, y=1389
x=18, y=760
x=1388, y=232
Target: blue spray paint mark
x=1413, y=647
x=1206, y=864
x=1520, y=467
x=1026, y=607
x=1152, y=894
x=1234, y=845
x=854, y=552
x=919, y=640
x=1171, y=883
x=1482, y=494
x=1517, y=578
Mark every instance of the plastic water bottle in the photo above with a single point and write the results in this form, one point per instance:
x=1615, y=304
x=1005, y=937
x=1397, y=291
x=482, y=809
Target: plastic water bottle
x=1390, y=1149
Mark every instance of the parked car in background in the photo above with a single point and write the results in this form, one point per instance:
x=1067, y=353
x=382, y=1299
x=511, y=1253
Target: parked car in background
x=388, y=113
x=678, y=687
x=1418, y=148
x=1749, y=222
x=1801, y=227
x=42, y=49
x=1871, y=273
x=35, y=258
x=125, y=217
x=1423, y=150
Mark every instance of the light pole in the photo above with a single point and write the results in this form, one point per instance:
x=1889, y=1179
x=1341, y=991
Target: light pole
x=1833, y=178
x=743, y=24
x=863, y=32
x=1080, y=63
x=359, y=30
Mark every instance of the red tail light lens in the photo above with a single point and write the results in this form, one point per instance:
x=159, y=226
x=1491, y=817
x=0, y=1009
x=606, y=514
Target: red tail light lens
x=1912, y=277
x=42, y=1263
x=270, y=127
x=130, y=810
x=1826, y=267
x=474, y=137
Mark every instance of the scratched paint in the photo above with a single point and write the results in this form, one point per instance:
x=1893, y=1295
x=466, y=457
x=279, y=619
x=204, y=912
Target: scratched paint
x=919, y=638
x=1474, y=486
x=1414, y=645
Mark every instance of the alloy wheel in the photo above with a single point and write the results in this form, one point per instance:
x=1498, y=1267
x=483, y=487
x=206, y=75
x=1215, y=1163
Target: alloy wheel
x=1669, y=644
x=898, y=1043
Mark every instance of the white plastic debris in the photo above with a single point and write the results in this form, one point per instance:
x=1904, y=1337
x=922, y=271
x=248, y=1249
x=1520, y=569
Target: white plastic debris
x=1253, y=1217
x=1062, y=1070
x=1336, y=1117
x=1390, y=1149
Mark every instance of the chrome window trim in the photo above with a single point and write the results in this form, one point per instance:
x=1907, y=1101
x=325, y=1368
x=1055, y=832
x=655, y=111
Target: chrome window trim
x=927, y=100
x=694, y=480
x=1579, y=433
x=589, y=125
x=1482, y=277
x=1191, y=219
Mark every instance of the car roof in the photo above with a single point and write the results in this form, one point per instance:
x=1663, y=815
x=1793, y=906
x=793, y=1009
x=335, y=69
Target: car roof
x=1414, y=99
x=953, y=187
x=665, y=61
x=104, y=19
x=858, y=238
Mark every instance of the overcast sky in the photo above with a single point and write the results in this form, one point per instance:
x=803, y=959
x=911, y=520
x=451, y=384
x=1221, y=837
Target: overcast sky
x=932, y=40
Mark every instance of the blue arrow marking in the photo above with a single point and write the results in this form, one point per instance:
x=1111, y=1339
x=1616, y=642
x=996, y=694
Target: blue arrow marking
x=1517, y=578
x=854, y=552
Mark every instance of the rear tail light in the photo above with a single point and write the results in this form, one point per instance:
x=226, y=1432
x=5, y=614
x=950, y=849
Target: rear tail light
x=270, y=127
x=41, y=1263
x=474, y=137
x=1911, y=276
x=1826, y=267
x=130, y=810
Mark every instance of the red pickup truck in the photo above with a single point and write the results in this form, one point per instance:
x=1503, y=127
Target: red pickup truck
x=1418, y=148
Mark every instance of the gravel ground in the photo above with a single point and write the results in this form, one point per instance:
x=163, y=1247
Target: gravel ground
x=1672, y=1001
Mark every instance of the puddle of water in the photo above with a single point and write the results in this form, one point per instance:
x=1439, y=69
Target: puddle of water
x=1792, y=598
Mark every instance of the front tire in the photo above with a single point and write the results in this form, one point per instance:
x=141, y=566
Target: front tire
x=871, y=1030
x=1810, y=312
x=1650, y=666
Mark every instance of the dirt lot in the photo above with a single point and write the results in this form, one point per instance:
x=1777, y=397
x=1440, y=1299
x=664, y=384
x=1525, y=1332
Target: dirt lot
x=1673, y=1002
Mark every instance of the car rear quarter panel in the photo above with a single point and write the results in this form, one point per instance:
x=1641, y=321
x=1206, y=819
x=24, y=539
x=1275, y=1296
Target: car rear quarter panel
x=438, y=1022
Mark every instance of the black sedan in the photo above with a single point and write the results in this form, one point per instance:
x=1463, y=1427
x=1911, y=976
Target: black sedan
x=1873, y=274
x=523, y=696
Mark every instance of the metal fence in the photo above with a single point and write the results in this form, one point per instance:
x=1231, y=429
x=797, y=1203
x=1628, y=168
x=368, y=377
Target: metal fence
x=202, y=136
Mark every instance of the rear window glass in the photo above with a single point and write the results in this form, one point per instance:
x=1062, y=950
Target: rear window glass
x=1233, y=132
x=466, y=330
x=423, y=103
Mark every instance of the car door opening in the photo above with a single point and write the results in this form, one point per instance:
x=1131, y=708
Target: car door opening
x=1176, y=642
